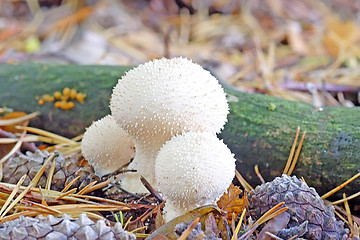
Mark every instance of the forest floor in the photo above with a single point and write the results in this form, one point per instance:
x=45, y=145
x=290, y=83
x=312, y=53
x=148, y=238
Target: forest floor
x=304, y=51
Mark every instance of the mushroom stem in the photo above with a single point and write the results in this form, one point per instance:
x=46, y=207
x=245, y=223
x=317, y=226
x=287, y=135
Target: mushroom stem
x=144, y=164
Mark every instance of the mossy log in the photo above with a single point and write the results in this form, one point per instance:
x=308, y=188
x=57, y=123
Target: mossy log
x=260, y=128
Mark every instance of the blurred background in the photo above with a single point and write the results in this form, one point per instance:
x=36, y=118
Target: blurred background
x=299, y=50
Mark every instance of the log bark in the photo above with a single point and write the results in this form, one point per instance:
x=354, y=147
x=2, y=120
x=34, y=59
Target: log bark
x=260, y=128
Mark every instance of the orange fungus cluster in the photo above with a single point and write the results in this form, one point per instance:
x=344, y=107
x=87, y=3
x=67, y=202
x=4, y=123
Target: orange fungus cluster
x=63, y=100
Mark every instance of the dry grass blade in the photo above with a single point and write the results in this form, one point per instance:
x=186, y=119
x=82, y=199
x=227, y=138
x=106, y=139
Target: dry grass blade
x=188, y=230
x=296, y=157
x=243, y=182
x=12, y=194
x=266, y=215
x=234, y=237
x=5, y=122
x=47, y=134
x=292, y=151
x=339, y=187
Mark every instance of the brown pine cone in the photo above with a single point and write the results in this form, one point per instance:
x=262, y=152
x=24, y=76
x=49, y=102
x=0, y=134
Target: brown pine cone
x=304, y=204
x=66, y=169
x=61, y=228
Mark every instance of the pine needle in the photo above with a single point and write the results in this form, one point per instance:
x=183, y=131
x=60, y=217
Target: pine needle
x=326, y=195
x=67, y=193
x=85, y=189
x=47, y=134
x=38, y=175
x=46, y=208
x=50, y=175
x=266, y=215
x=296, y=157
x=346, y=199
x=256, y=168
x=12, y=121
x=243, y=182
x=97, y=186
x=13, y=193
x=70, y=184
x=348, y=214
x=188, y=230
x=14, y=149
x=234, y=237
x=21, y=195
x=292, y=151
x=127, y=222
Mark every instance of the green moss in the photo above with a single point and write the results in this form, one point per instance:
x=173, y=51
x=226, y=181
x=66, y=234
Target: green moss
x=21, y=83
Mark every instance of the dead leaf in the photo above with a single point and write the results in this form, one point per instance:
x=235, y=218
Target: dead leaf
x=231, y=202
x=167, y=230
x=340, y=35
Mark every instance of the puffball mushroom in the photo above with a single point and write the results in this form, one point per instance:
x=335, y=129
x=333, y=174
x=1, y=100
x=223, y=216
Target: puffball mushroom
x=192, y=170
x=160, y=99
x=106, y=146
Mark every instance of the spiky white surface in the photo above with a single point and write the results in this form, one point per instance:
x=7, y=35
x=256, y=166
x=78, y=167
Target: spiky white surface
x=192, y=170
x=106, y=146
x=165, y=97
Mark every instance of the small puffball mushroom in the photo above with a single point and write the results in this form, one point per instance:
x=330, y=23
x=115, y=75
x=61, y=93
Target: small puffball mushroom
x=106, y=146
x=160, y=99
x=192, y=170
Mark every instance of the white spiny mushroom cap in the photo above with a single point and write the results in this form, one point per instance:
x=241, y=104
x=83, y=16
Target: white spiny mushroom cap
x=165, y=97
x=160, y=99
x=106, y=146
x=192, y=170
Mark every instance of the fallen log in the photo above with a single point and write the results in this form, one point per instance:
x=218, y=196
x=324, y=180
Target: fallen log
x=260, y=128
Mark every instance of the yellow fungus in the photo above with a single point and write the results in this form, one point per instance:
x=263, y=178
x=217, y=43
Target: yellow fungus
x=73, y=93
x=66, y=91
x=70, y=105
x=41, y=101
x=47, y=98
x=67, y=105
x=80, y=97
x=57, y=95
x=64, y=98
x=57, y=104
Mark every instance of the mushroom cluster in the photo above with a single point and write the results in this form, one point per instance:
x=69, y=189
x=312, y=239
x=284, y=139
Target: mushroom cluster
x=160, y=99
x=172, y=109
